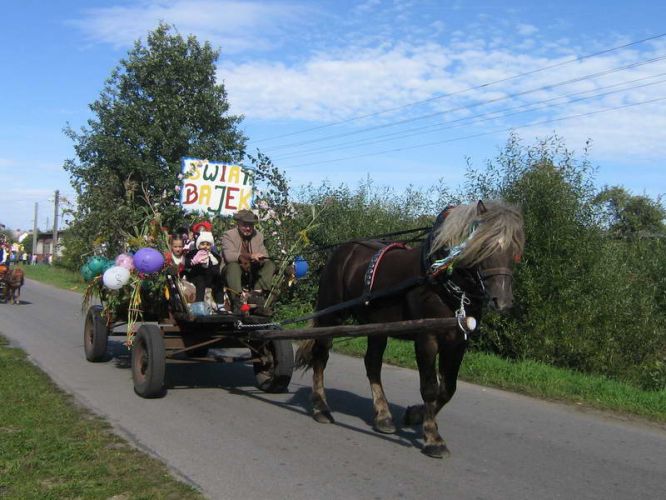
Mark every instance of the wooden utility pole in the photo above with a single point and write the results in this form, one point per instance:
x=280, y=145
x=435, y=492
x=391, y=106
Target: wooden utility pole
x=34, y=235
x=55, y=225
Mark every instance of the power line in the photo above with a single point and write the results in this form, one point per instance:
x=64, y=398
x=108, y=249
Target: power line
x=481, y=134
x=484, y=85
x=478, y=118
x=467, y=107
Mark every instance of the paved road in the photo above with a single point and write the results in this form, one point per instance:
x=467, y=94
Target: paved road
x=232, y=441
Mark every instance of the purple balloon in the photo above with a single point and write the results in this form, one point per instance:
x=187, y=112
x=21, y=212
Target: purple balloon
x=148, y=260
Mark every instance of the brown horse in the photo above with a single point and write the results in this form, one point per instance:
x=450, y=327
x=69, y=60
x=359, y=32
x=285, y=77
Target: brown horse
x=467, y=261
x=13, y=280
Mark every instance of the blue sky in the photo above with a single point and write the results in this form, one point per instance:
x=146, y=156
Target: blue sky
x=328, y=89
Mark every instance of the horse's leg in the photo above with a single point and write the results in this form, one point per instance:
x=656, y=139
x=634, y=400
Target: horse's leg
x=373, y=366
x=320, y=410
x=426, y=359
x=450, y=359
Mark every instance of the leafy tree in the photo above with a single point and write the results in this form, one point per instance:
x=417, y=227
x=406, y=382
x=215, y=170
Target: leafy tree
x=161, y=103
x=627, y=215
x=582, y=300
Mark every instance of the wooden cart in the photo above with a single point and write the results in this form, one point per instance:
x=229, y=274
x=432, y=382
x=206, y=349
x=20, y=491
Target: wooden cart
x=181, y=336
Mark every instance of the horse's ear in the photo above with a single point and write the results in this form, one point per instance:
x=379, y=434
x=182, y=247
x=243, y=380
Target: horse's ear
x=480, y=208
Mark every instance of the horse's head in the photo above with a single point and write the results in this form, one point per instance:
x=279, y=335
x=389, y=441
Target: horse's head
x=498, y=246
x=495, y=275
x=490, y=238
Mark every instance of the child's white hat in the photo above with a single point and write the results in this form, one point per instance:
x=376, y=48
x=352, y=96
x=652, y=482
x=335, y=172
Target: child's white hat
x=205, y=236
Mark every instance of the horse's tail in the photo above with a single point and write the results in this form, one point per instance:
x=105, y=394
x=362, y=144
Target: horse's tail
x=303, y=358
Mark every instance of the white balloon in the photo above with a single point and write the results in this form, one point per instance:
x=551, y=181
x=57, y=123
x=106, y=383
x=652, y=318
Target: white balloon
x=116, y=277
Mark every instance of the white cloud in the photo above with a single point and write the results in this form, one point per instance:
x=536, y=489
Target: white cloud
x=236, y=26
x=526, y=29
x=334, y=87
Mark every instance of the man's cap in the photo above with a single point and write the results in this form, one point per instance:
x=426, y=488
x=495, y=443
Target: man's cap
x=246, y=216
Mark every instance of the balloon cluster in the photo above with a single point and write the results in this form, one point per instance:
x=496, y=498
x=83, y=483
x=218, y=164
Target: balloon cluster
x=116, y=275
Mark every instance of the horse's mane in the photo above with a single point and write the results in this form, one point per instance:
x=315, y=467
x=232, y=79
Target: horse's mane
x=498, y=228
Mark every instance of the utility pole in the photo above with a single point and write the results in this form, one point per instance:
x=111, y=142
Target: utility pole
x=34, y=235
x=55, y=225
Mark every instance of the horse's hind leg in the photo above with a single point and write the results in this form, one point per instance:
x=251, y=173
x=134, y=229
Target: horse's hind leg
x=373, y=366
x=320, y=410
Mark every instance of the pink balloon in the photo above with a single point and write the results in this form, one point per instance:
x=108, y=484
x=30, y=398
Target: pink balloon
x=125, y=260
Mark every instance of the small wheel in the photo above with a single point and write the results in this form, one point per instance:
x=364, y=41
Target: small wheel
x=95, y=335
x=148, y=362
x=273, y=372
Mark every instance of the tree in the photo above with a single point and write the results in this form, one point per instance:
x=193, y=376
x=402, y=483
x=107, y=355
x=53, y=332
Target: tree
x=160, y=104
x=579, y=297
x=626, y=215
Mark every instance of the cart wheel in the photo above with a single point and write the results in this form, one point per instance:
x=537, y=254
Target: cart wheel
x=273, y=373
x=148, y=362
x=95, y=335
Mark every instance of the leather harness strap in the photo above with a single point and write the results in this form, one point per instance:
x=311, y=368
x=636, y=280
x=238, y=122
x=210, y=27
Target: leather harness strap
x=370, y=273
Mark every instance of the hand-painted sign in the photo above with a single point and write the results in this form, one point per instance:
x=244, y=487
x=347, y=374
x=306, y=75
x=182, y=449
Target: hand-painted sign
x=214, y=187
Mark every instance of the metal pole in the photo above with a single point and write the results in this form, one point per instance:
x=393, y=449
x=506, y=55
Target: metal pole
x=34, y=235
x=55, y=226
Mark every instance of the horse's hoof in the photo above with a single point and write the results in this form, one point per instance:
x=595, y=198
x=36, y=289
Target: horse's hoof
x=412, y=416
x=323, y=417
x=385, y=426
x=436, y=450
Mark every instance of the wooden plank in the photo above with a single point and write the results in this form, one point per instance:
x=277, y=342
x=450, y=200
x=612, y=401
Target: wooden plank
x=395, y=328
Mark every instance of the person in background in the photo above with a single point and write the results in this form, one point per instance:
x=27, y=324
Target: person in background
x=4, y=255
x=24, y=258
x=202, y=267
x=246, y=256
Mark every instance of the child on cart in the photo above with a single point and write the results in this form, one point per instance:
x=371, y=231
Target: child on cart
x=202, y=267
x=175, y=257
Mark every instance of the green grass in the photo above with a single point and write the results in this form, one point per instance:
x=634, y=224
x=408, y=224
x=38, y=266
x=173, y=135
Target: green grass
x=56, y=276
x=50, y=448
x=535, y=379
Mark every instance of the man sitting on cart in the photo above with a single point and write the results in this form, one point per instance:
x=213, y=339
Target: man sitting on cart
x=246, y=258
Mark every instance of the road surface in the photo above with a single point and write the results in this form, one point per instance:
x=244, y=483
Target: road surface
x=217, y=431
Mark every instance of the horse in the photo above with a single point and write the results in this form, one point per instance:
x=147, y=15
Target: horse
x=13, y=279
x=465, y=263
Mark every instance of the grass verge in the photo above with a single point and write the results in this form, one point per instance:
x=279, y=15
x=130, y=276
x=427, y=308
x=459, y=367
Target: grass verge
x=51, y=448
x=56, y=276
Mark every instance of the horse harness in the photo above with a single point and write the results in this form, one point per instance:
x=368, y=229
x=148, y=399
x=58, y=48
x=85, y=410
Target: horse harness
x=438, y=271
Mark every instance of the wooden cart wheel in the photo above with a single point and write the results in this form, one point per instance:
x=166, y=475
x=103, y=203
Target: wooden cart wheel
x=95, y=335
x=148, y=362
x=273, y=373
